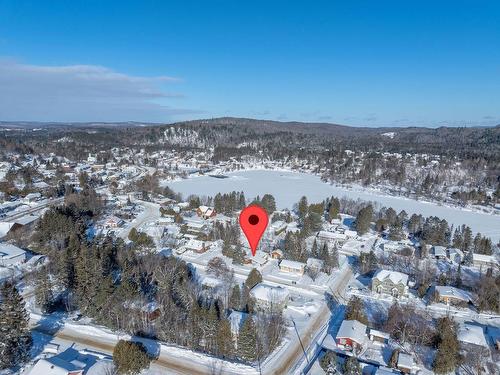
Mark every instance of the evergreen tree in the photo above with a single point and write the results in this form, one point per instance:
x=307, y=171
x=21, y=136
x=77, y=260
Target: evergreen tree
x=334, y=209
x=458, y=278
x=467, y=239
x=448, y=347
x=225, y=345
x=238, y=254
x=254, y=277
x=15, y=342
x=356, y=310
x=314, y=250
x=333, y=261
x=351, y=366
x=268, y=203
x=130, y=357
x=302, y=208
x=43, y=291
x=235, y=299
x=363, y=220
x=247, y=340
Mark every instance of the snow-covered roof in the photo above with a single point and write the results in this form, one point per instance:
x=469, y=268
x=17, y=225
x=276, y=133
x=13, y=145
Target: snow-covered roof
x=206, y=210
x=405, y=360
x=385, y=371
x=439, y=251
x=377, y=333
x=292, y=264
x=454, y=250
x=260, y=258
x=8, y=251
x=471, y=334
x=54, y=366
x=210, y=282
x=26, y=219
x=314, y=263
x=332, y=235
x=268, y=293
x=394, y=276
x=194, y=244
x=353, y=330
x=452, y=292
x=484, y=258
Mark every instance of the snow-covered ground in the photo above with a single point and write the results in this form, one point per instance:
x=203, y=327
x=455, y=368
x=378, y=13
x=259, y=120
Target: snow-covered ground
x=287, y=188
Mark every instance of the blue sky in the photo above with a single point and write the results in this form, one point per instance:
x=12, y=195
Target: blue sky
x=364, y=63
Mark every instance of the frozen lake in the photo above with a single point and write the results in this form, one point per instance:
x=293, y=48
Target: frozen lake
x=288, y=187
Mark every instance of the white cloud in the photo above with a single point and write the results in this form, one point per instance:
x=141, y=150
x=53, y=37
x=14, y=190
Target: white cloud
x=82, y=93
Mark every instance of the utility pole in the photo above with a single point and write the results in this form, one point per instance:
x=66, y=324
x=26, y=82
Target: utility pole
x=300, y=341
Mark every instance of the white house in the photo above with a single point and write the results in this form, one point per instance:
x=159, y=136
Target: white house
x=31, y=198
x=481, y=260
x=197, y=246
x=55, y=366
x=438, y=252
x=315, y=264
x=11, y=255
x=292, y=266
x=267, y=296
x=334, y=237
x=471, y=334
x=452, y=295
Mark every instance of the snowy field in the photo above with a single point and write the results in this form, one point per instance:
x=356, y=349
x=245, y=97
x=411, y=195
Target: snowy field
x=288, y=187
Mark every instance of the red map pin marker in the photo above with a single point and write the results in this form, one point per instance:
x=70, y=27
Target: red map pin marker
x=253, y=221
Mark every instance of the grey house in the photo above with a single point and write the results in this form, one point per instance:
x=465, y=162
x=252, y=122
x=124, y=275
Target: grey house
x=390, y=282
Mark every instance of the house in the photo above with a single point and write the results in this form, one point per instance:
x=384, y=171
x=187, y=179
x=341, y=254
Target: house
x=336, y=238
x=269, y=297
x=382, y=370
x=113, y=222
x=55, y=366
x=31, y=198
x=455, y=255
x=26, y=221
x=405, y=363
x=390, y=282
x=11, y=255
x=451, y=295
x=292, y=266
x=206, y=212
x=378, y=336
x=351, y=335
x=277, y=254
x=197, y=246
x=393, y=247
x=151, y=311
x=470, y=334
x=259, y=259
x=278, y=227
x=481, y=260
x=438, y=252
x=315, y=264
x=196, y=226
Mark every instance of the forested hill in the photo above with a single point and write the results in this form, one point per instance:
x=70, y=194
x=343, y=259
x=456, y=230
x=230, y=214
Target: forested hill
x=481, y=142
x=419, y=139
